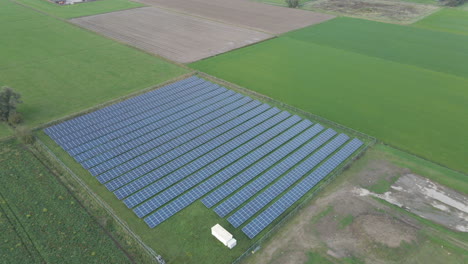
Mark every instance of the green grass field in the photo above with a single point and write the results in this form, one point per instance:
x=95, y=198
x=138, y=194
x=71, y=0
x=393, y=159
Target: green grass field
x=78, y=10
x=434, y=51
x=39, y=219
x=374, y=90
x=60, y=69
x=448, y=20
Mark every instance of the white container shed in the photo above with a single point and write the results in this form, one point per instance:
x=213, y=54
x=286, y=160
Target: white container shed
x=223, y=235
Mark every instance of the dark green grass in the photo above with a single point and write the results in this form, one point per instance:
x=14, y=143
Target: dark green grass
x=417, y=110
x=60, y=229
x=60, y=69
x=4, y=130
x=436, y=51
x=448, y=20
x=13, y=247
x=82, y=9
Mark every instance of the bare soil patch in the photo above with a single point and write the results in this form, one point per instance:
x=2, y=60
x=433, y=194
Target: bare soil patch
x=377, y=233
x=175, y=36
x=429, y=200
x=382, y=10
x=245, y=13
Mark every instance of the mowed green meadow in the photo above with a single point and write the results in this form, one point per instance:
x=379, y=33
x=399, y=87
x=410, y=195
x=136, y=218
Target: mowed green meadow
x=40, y=221
x=60, y=69
x=377, y=78
x=448, y=20
x=78, y=10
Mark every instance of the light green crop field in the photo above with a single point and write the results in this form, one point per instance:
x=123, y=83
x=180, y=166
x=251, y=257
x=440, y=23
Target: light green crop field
x=448, y=20
x=60, y=69
x=378, y=92
x=81, y=9
x=41, y=222
x=435, y=51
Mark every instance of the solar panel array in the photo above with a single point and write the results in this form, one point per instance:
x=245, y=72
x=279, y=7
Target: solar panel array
x=166, y=149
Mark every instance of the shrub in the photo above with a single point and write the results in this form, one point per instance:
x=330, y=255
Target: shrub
x=24, y=134
x=292, y=3
x=15, y=118
x=453, y=2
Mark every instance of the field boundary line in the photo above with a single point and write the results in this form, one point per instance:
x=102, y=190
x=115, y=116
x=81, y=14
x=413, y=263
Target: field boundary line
x=68, y=21
x=113, y=101
x=286, y=106
x=22, y=228
x=99, y=201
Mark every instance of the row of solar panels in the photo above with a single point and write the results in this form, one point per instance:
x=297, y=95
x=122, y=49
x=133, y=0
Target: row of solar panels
x=164, y=150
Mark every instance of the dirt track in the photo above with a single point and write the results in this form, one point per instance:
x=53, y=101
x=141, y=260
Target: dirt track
x=172, y=35
x=245, y=13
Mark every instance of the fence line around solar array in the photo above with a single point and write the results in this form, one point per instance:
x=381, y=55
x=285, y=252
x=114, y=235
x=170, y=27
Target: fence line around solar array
x=302, y=204
x=285, y=106
x=44, y=149
x=111, y=102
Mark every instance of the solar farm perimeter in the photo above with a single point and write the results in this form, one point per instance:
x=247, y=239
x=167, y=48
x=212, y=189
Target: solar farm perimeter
x=194, y=140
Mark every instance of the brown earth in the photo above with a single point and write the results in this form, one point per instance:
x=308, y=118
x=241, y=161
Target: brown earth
x=381, y=10
x=244, y=13
x=175, y=36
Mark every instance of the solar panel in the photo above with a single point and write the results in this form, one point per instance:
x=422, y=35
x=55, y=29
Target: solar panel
x=272, y=174
x=214, y=167
x=71, y=142
x=80, y=122
x=150, y=164
x=153, y=137
x=252, y=207
x=254, y=227
x=251, y=128
x=155, y=119
x=88, y=118
x=163, y=150
x=145, y=110
x=260, y=167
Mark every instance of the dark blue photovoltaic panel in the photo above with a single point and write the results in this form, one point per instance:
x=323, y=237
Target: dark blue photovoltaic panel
x=102, y=135
x=145, y=110
x=165, y=149
x=287, y=200
x=174, y=153
x=261, y=166
x=285, y=182
x=220, y=164
x=272, y=174
x=252, y=128
x=66, y=127
x=180, y=125
x=145, y=162
x=150, y=132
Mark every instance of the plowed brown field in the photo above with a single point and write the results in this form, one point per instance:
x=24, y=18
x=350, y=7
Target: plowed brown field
x=172, y=35
x=245, y=13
